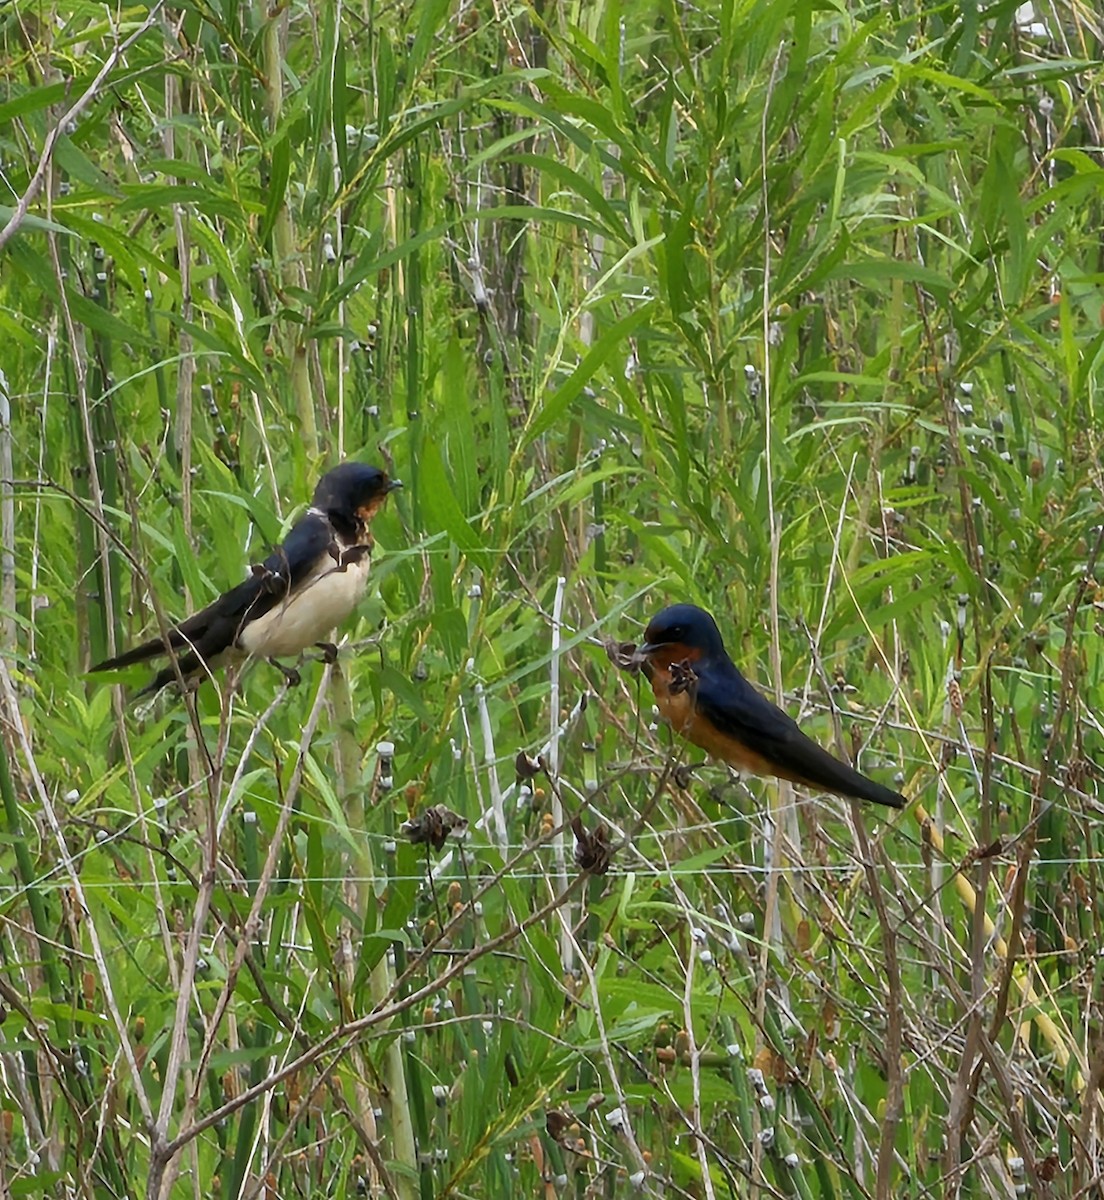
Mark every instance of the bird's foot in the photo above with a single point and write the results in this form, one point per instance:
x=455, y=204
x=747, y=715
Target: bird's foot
x=291, y=676
x=329, y=652
x=272, y=581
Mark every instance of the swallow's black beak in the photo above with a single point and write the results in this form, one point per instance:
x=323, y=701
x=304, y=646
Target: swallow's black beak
x=646, y=649
x=392, y=484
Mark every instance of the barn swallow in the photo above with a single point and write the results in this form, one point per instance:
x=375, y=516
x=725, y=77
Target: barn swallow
x=294, y=599
x=705, y=698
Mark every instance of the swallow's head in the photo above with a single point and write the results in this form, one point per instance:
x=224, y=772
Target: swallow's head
x=353, y=491
x=682, y=631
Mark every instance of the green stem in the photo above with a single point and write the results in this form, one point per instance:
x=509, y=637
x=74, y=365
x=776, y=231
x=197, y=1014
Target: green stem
x=381, y=981
x=285, y=248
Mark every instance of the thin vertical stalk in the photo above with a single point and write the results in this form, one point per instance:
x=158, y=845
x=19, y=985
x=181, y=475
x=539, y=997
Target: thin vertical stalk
x=694, y=1054
x=381, y=981
x=103, y=426
x=624, y=1126
x=36, y=546
x=7, y=525
x=778, y=798
x=414, y=322
x=284, y=239
x=182, y=422
x=559, y=855
x=343, y=350
x=487, y=731
x=164, y=1158
x=46, y=806
x=43, y=926
x=441, y=867
x=93, y=538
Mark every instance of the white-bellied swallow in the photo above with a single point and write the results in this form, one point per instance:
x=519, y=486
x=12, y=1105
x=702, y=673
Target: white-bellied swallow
x=294, y=599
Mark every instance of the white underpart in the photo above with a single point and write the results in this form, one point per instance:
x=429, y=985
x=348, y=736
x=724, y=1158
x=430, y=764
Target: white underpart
x=323, y=600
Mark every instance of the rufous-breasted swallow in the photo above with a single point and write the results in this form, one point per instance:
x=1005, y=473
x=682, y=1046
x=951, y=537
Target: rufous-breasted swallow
x=704, y=697
x=295, y=598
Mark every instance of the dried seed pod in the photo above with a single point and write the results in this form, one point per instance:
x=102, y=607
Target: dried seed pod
x=623, y=656
x=435, y=826
x=526, y=767
x=593, y=852
x=683, y=677
x=557, y=1122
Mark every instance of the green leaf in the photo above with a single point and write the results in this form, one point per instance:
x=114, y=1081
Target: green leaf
x=871, y=272
x=279, y=169
x=443, y=510
x=537, y=214
x=154, y=197
x=571, y=180
x=458, y=437
x=544, y=416
x=433, y=13
x=314, y=903
x=32, y=223
x=100, y=320
x=32, y=99
x=341, y=138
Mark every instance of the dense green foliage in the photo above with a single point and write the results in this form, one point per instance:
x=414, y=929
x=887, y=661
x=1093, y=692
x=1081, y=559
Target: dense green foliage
x=791, y=310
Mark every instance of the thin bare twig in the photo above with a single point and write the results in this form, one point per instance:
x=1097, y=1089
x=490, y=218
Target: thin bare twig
x=71, y=114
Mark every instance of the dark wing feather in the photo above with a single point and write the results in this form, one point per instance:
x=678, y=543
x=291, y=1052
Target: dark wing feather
x=727, y=700
x=215, y=628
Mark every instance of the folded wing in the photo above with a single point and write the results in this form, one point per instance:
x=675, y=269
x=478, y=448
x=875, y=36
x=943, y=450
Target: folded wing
x=726, y=699
x=206, y=634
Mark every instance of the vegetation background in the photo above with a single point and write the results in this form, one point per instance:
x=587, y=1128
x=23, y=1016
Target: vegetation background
x=792, y=310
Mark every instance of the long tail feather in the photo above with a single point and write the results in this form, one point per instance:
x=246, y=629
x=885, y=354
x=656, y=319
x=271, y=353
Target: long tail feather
x=815, y=766
x=137, y=654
